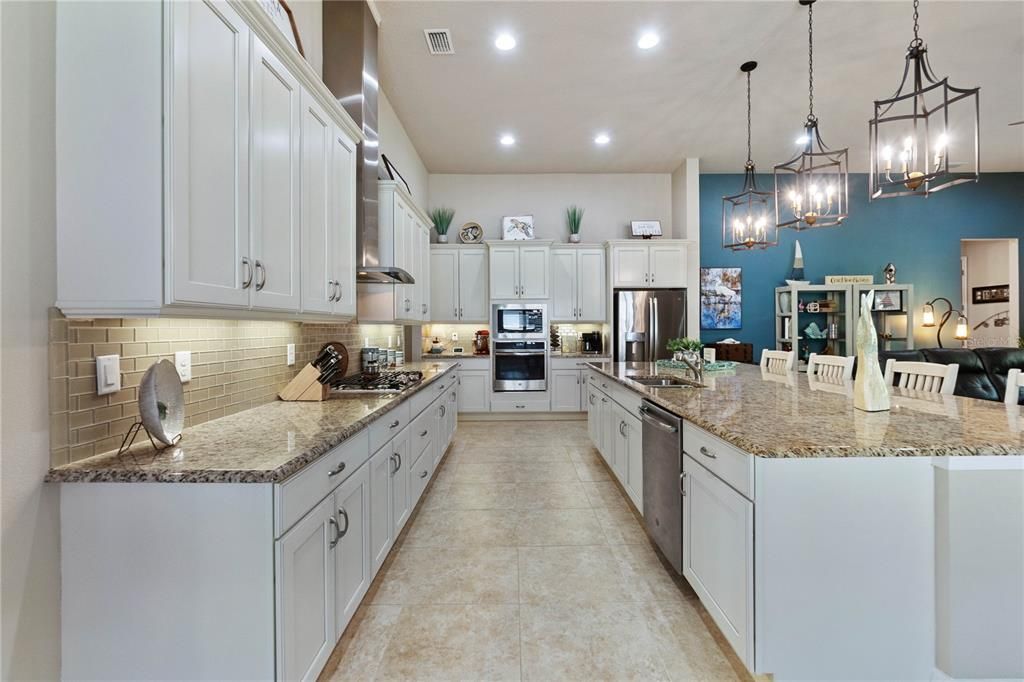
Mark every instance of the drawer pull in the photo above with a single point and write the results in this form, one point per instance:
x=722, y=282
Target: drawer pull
x=336, y=470
x=424, y=434
x=394, y=424
x=344, y=515
x=707, y=453
x=424, y=474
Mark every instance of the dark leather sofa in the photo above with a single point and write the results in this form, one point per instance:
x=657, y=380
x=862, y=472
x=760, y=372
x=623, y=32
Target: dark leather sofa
x=982, y=370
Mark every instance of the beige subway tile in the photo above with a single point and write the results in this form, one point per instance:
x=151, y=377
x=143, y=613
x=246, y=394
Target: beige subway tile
x=123, y=396
x=58, y=395
x=89, y=434
x=158, y=348
x=79, y=351
x=88, y=335
x=121, y=335
x=79, y=419
x=109, y=444
x=60, y=456
x=59, y=430
x=81, y=385
x=84, y=368
x=106, y=414
x=106, y=349
x=133, y=349
x=81, y=452
x=90, y=400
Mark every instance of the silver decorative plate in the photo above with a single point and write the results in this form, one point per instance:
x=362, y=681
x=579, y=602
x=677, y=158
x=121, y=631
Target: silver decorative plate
x=471, y=233
x=162, y=402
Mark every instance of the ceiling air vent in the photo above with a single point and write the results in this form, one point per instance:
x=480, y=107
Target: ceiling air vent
x=439, y=41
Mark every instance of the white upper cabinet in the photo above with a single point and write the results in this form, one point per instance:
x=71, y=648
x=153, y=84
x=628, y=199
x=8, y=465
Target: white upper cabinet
x=578, y=290
x=458, y=284
x=184, y=148
x=650, y=264
x=519, y=270
x=343, y=221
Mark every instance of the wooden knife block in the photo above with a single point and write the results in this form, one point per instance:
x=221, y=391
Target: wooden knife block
x=305, y=386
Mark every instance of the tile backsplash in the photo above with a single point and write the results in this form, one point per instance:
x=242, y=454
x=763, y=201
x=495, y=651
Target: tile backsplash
x=236, y=365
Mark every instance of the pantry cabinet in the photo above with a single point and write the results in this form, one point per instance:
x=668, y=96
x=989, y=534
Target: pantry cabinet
x=181, y=164
x=519, y=270
x=458, y=284
x=650, y=264
x=578, y=277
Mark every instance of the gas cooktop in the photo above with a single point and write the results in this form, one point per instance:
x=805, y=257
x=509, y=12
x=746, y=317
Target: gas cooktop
x=385, y=382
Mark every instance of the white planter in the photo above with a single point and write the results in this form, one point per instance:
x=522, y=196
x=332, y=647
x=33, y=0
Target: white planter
x=442, y=239
x=574, y=238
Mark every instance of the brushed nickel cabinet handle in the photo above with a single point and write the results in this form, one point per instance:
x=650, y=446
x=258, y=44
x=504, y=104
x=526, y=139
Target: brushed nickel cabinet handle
x=262, y=273
x=337, y=532
x=335, y=471
x=331, y=289
x=337, y=283
x=396, y=459
x=247, y=280
x=424, y=434
x=394, y=424
x=424, y=474
x=682, y=484
x=344, y=514
x=707, y=453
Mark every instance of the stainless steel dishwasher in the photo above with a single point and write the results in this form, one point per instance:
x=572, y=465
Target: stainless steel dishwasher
x=663, y=468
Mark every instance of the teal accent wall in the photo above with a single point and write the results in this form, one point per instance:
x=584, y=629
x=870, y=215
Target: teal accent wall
x=920, y=236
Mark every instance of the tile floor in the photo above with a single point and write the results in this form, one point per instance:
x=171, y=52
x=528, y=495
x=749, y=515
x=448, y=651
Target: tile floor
x=525, y=561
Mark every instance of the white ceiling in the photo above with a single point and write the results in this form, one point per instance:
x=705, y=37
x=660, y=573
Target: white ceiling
x=576, y=71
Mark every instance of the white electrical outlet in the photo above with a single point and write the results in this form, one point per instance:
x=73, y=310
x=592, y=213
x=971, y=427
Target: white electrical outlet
x=291, y=354
x=108, y=374
x=183, y=363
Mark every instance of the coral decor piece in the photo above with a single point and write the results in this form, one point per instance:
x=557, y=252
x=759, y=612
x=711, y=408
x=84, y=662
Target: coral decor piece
x=869, y=390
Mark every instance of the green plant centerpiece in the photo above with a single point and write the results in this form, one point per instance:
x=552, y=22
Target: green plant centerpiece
x=442, y=219
x=685, y=347
x=574, y=219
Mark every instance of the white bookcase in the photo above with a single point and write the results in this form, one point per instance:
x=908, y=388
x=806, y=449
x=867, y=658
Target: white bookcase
x=894, y=316
x=792, y=320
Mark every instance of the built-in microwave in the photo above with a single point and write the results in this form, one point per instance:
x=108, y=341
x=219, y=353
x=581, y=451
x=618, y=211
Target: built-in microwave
x=519, y=321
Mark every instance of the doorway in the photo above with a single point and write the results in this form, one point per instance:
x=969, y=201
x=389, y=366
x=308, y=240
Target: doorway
x=990, y=283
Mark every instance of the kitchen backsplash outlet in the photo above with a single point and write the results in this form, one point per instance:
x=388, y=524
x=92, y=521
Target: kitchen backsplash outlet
x=236, y=365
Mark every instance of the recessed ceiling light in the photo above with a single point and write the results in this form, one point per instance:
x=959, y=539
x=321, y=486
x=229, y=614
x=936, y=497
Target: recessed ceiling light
x=504, y=41
x=648, y=40
x=507, y=140
x=602, y=138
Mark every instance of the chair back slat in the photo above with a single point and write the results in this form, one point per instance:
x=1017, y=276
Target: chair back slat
x=930, y=377
x=830, y=366
x=778, y=360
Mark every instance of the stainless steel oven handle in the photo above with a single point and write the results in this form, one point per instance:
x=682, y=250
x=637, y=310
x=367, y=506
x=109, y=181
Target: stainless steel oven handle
x=649, y=417
x=519, y=352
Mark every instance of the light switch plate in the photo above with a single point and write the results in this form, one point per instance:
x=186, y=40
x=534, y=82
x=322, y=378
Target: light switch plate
x=291, y=354
x=183, y=363
x=108, y=374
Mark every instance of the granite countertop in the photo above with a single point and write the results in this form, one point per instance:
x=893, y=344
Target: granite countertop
x=792, y=415
x=266, y=444
x=449, y=356
x=559, y=354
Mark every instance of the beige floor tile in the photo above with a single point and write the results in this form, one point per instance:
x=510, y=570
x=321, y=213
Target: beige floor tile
x=451, y=575
x=621, y=526
x=651, y=579
x=558, y=527
x=605, y=494
x=462, y=495
x=558, y=495
x=500, y=453
x=592, y=642
x=545, y=472
x=590, y=469
x=454, y=643
x=363, y=645
x=572, y=575
x=688, y=649
x=462, y=528
x=486, y=472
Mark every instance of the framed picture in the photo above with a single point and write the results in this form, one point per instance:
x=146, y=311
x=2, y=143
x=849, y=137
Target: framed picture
x=721, y=298
x=281, y=14
x=517, y=227
x=646, y=228
x=992, y=294
x=888, y=301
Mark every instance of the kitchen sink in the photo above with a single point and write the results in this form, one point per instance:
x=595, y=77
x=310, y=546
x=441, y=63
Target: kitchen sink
x=664, y=382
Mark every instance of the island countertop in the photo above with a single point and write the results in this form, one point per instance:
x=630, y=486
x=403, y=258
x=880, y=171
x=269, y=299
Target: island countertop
x=792, y=415
x=266, y=444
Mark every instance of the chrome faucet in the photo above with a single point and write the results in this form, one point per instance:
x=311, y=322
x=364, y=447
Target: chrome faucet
x=696, y=365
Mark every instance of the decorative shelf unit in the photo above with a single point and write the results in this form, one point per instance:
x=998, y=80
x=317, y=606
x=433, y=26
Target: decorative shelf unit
x=792, y=320
x=894, y=318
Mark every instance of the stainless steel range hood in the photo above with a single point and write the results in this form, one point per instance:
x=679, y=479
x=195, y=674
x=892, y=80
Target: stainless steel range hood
x=350, y=71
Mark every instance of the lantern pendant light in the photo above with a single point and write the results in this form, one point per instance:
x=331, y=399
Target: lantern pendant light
x=746, y=217
x=924, y=128
x=812, y=190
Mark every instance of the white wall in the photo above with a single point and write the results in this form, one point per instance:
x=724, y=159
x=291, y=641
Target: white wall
x=309, y=19
x=395, y=142
x=611, y=201
x=686, y=225
x=30, y=586
x=992, y=262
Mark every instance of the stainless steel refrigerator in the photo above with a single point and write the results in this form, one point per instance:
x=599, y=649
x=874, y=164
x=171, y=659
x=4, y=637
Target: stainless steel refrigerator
x=645, y=319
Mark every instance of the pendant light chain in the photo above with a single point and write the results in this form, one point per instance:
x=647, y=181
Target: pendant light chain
x=750, y=160
x=917, y=40
x=810, y=62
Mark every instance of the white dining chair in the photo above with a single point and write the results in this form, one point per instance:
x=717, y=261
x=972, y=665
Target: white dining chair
x=930, y=377
x=778, y=360
x=1014, y=382
x=830, y=366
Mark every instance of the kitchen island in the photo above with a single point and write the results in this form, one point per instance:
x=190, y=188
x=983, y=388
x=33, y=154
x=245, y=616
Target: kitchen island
x=830, y=543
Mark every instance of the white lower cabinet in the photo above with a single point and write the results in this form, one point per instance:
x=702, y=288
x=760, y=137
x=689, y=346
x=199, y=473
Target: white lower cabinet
x=565, y=390
x=401, y=500
x=474, y=390
x=351, y=545
x=382, y=535
x=718, y=554
x=634, y=459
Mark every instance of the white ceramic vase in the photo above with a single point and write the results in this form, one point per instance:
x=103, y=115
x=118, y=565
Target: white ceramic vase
x=442, y=238
x=574, y=238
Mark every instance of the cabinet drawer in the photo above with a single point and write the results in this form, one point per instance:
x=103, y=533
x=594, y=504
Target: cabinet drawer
x=728, y=462
x=388, y=426
x=301, y=492
x=520, y=402
x=421, y=431
x=428, y=394
x=419, y=473
x=628, y=399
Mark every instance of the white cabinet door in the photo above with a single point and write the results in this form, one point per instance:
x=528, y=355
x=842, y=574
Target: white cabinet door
x=620, y=444
x=319, y=287
x=565, y=390
x=668, y=266
x=352, y=569
x=474, y=390
x=504, y=272
x=274, y=182
x=343, y=222
x=440, y=427
x=305, y=595
x=593, y=405
x=381, y=527
x=591, y=278
x=473, y=298
x=534, y=272
x=401, y=505
x=634, y=464
x=423, y=270
x=630, y=266
x=718, y=553
x=564, y=296
x=209, y=120
x=609, y=429
x=444, y=285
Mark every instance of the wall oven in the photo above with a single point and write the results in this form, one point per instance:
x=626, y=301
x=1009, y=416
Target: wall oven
x=519, y=321
x=520, y=366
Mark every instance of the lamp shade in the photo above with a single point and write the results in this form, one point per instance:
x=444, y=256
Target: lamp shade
x=961, y=333
x=928, y=316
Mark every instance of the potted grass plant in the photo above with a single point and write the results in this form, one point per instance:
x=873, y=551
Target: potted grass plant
x=574, y=219
x=442, y=219
x=691, y=348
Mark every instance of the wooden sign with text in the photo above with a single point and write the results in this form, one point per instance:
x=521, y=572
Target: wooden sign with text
x=849, y=279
